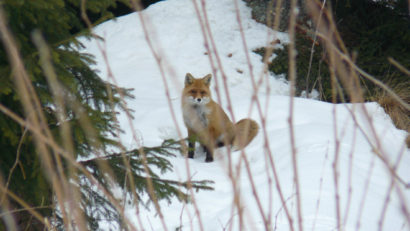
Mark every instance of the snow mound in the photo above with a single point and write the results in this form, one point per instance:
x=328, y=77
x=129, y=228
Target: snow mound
x=326, y=135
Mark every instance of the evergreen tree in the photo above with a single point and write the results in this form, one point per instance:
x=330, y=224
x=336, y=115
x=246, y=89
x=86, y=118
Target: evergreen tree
x=86, y=97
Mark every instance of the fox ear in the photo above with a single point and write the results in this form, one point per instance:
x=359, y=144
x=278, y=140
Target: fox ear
x=207, y=79
x=189, y=79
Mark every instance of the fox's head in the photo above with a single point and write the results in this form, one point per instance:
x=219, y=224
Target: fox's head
x=196, y=91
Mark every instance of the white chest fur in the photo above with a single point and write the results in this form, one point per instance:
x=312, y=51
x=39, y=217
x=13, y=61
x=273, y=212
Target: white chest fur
x=195, y=116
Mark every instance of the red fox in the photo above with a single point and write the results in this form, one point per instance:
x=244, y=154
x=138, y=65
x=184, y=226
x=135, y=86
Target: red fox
x=207, y=122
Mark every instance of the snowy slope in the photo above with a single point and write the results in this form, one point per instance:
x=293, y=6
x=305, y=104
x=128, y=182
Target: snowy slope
x=322, y=131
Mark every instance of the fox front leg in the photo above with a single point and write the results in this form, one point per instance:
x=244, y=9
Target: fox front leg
x=209, y=154
x=191, y=144
x=209, y=145
x=191, y=148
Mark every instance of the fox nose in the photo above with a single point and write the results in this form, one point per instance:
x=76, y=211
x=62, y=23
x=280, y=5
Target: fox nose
x=198, y=100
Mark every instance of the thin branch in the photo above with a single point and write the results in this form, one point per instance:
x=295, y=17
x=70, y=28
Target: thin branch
x=259, y=108
x=292, y=77
x=16, y=162
x=312, y=49
x=399, y=66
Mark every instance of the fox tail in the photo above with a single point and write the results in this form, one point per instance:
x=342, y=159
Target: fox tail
x=245, y=131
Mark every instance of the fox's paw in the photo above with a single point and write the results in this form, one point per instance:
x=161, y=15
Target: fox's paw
x=209, y=159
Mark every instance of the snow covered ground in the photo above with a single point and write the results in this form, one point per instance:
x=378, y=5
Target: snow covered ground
x=155, y=62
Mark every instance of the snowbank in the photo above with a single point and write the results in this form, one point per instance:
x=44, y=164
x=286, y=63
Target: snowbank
x=323, y=132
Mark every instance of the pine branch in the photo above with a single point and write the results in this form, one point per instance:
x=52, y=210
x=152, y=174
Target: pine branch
x=156, y=157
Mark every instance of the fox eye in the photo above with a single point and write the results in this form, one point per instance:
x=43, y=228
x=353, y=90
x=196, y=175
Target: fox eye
x=203, y=92
x=193, y=91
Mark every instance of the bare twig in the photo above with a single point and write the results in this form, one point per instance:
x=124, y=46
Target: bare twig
x=350, y=176
x=399, y=66
x=320, y=188
x=388, y=194
x=16, y=162
x=209, y=40
x=335, y=166
x=264, y=130
x=292, y=78
x=312, y=50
